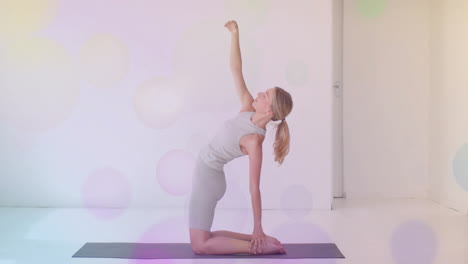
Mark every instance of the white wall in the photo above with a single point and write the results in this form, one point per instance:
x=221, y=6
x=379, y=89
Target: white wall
x=107, y=103
x=406, y=100
x=448, y=112
x=385, y=93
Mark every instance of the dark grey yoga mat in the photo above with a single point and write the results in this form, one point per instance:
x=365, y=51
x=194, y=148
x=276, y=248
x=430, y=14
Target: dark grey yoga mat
x=184, y=251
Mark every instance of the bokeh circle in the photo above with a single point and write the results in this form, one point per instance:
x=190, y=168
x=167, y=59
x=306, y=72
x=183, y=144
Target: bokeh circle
x=371, y=8
x=412, y=242
x=104, y=60
x=460, y=167
x=301, y=232
x=158, y=102
x=23, y=17
x=106, y=193
x=39, y=87
x=174, y=171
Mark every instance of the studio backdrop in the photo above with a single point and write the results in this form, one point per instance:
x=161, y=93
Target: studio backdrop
x=107, y=103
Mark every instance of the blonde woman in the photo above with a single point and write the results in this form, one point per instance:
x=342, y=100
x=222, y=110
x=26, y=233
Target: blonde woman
x=241, y=135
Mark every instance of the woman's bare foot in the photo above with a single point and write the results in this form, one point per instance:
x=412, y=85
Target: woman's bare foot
x=270, y=238
x=272, y=246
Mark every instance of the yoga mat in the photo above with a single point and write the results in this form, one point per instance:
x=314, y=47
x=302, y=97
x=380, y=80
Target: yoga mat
x=184, y=251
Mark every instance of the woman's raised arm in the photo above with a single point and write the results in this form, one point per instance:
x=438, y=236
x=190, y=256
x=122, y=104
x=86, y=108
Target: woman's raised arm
x=236, y=68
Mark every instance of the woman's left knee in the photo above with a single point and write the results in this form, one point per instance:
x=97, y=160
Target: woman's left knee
x=198, y=240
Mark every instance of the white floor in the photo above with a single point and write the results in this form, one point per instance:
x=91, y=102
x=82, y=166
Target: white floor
x=366, y=231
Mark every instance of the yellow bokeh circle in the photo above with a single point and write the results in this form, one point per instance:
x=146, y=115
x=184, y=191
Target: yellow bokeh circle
x=38, y=86
x=104, y=60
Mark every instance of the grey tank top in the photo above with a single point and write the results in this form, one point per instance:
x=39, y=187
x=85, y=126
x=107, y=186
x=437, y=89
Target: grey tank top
x=225, y=146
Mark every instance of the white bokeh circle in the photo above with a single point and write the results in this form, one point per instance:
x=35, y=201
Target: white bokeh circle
x=159, y=102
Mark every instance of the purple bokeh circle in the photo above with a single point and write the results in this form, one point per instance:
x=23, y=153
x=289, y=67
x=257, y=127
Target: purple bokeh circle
x=167, y=230
x=106, y=193
x=300, y=232
x=414, y=242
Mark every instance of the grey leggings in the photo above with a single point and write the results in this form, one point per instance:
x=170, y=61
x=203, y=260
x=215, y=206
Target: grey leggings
x=208, y=187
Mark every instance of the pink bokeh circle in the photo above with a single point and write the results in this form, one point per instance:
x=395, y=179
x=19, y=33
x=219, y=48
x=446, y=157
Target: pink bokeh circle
x=174, y=171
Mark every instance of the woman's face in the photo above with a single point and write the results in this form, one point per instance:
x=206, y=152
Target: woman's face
x=263, y=101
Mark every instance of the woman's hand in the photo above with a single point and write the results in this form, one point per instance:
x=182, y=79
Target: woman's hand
x=258, y=241
x=231, y=25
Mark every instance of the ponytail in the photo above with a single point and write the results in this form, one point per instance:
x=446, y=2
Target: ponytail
x=281, y=145
x=282, y=106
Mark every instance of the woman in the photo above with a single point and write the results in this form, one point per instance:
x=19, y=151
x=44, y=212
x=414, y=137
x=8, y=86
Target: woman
x=242, y=135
